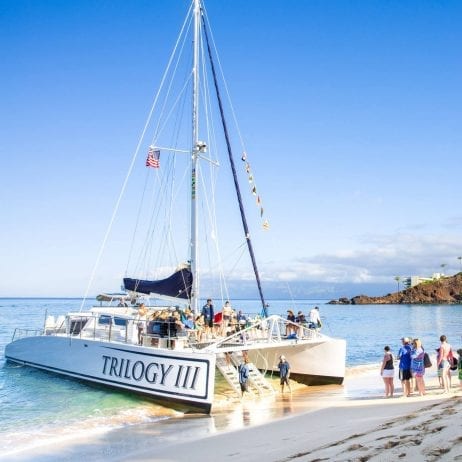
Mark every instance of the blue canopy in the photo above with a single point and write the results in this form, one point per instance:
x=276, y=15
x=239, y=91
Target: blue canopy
x=178, y=285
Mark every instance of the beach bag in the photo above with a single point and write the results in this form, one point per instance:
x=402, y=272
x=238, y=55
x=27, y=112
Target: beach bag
x=427, y=361
x=453, y=363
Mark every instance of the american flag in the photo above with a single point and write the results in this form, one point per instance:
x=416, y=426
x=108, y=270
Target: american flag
x=153, y=158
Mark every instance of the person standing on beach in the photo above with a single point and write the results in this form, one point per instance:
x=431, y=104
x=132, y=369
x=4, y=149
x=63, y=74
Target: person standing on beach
x=445, y=354
x=284, y=373
x=244, y=372
x=417, y=365
x=387, y=371
x=404, y=356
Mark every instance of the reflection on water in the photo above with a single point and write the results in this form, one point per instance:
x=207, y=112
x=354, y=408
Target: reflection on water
x=287, y=407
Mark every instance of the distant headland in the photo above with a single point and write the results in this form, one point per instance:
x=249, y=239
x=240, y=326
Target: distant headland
x=446, y=290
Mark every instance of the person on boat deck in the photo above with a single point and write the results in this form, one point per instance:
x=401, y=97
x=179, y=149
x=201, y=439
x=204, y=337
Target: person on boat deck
x=227, y=313
x=241, y=319
x=141, y=324
x=189, y=322
x=140, y=327
x=315, y=318
x=208, y=313
x=199, y=327
x=290, y=327
x=284, y=373
x=300, y=319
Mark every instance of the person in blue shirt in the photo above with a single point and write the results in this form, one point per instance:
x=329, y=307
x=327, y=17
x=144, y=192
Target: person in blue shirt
x=284, y=373
x=241, y=319
x=244, y=375
x=207, y=312
x=404, y=356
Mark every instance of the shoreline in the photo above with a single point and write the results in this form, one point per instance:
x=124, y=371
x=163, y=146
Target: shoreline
x=333, y=423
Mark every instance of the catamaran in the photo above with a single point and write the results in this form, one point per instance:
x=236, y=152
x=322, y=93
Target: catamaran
x=150, y=338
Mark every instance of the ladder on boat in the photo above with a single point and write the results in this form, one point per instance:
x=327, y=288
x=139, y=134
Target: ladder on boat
x=258, y=385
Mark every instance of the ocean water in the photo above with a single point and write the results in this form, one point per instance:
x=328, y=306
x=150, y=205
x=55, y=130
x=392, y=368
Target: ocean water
x=37, y=407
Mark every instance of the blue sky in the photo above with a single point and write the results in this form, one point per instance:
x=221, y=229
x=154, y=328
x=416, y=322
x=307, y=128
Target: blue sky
x=351, y=111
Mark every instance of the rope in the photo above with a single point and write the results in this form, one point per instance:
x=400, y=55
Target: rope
x=236, y=184
x=130, y=168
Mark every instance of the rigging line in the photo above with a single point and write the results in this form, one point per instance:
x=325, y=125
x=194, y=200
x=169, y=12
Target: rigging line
x=137, y=223
x=171, y=192
x=213, y=147
x=130, y=169
x=233, y=112
x=225, y=84
x=172, y=109
x=290, y=294
x=236, y=184
x=174, y=72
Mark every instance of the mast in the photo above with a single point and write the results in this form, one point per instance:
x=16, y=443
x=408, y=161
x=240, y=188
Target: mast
x=236, y=182
x=196, y=149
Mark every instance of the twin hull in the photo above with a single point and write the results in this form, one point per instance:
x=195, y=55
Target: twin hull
x=312, y=362
x=167, y=376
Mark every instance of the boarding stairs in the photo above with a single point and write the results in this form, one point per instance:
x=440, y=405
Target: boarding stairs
x=258, y=385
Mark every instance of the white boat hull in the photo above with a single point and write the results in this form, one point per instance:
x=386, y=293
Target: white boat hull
x=320, y=361
x=167, y=376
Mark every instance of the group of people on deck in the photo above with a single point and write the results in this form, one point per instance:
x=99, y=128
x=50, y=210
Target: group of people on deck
x=297, y=323
x=224, y=323
x=413, y=360
x=206, y=325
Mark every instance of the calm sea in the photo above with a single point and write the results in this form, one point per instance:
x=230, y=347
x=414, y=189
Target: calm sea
x=36, y=406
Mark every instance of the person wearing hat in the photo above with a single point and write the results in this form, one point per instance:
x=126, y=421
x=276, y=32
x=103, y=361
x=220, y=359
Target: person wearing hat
x=404, y=356
x=244, y=372
x=284, y=373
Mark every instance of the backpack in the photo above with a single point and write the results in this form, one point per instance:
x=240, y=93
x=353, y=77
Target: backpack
x=427, y=360
x=452, y=361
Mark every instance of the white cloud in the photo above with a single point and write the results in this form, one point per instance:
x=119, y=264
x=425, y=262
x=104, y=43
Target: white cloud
x=383, y=257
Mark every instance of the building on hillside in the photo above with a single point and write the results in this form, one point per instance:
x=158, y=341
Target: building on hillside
x=412, y=281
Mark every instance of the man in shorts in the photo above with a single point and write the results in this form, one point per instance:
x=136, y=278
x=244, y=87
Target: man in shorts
x=284, y=373
x=404, y=356
x=244, y=372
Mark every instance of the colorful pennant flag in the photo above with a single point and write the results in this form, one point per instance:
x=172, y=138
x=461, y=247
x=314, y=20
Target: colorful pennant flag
x=258, y=200
x=153, y=157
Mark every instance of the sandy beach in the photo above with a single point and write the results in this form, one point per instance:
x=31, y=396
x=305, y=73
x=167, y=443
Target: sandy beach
x=419, y=429
x=338, y=425
x=349, y=423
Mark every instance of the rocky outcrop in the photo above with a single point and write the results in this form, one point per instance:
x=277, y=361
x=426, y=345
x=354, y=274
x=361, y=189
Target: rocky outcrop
x=447, y=290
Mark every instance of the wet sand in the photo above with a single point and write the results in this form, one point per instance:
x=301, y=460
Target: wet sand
x=350, y=422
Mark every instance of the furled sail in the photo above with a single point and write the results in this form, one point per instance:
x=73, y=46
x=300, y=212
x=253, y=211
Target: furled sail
x=178, y=285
